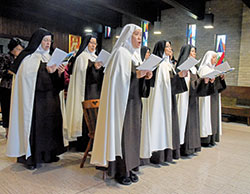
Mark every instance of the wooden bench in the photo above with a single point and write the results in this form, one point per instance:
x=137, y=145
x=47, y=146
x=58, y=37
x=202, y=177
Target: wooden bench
x=235, y=100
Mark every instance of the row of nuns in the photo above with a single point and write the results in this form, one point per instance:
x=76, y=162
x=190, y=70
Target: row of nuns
x=144, y=117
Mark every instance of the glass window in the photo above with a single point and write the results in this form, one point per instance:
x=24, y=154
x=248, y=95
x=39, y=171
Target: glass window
x=191, y=34
x=144, y=25
x=220, y=48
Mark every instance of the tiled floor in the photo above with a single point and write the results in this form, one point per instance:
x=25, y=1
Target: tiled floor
x=224, y=169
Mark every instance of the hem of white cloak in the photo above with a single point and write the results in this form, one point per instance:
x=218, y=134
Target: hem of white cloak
x=204, y=136
x=73, y=137
x=155, y=150
x=15, y=155
x=99, y=164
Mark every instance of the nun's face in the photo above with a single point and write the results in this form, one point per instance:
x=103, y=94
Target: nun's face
x=193, y=52
x=147, y=54
x=136, y=38
x=46, y=42
x=92, y=45
x=16, y=51
x=168, y=49
x=214, y=59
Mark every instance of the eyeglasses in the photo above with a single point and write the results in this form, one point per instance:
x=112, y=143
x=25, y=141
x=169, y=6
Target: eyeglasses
x=18, y=49
x=47, y=40
x=94, y=43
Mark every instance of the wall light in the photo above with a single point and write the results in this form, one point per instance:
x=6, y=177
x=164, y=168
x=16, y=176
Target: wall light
x=209, y=21
x=157, y=23
x=88, y=30
x=157, y=27
x=118, y=31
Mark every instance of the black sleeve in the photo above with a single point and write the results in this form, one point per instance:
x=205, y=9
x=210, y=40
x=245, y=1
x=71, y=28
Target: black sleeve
x=144, y=87
x=94, y=76
x=219, y=84
x=178, y=84
x=58, y=82
x=152, y=80
x=201, y=88
x=5, y=63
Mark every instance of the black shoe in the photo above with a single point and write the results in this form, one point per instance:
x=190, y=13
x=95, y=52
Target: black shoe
x=164, y=164
x=134, y=178
x=55, y=159
x=123, y=180
x=31, y=167
x=155, y=165
x=206, y=145
x=21, y=160
x=136, y=169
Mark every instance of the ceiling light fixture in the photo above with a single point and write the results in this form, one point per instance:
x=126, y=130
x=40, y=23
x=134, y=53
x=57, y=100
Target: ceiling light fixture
x=88, y=30
x=157, y=24
x=209, y=21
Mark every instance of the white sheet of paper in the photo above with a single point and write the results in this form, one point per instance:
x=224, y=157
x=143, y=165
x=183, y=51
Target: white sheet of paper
x=223, y=67
x=190, y=62
x=212, y=74
x=103, y=57
x=150, y=64
x=57, y=57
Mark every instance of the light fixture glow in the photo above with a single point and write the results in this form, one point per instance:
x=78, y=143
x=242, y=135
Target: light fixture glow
x=157, y=32
x=208, y=27
x=88, y=30
x=157, y=27
x=209, y=21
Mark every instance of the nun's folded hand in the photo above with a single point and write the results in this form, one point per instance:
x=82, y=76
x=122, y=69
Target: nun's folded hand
x=149, y=75
x=10, y=72
x=206, y=80
x=141, y=73
x=51, y=69
x=61, y=69
x=183, y=73
x=98, y=65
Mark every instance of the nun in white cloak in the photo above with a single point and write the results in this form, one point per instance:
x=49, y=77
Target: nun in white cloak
x=188, y=104
x=210, y=106
x=118, y=128
x=160, y=131
x=36, y=120
x=85, y=84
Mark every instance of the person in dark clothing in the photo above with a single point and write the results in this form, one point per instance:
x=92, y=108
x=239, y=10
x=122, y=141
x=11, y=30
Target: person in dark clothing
x=15, y=46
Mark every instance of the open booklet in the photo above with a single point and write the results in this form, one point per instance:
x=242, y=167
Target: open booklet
x=221, y=69
x=59, y=56
x=188, y=64
x=151, y=63
x=103, y=57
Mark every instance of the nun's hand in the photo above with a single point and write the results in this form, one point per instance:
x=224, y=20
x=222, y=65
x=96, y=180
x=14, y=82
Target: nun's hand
x=212, y=80
x=98, y=65
x=183, y=73
x=222, y=76
x=10, y=72
x=61, y=69
x=141, y=73
x=51, y=69
x=149, y=75
x=206, y=80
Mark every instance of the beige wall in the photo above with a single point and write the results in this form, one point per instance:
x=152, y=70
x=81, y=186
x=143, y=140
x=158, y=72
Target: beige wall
x=244, y=64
